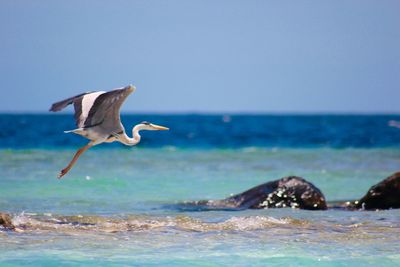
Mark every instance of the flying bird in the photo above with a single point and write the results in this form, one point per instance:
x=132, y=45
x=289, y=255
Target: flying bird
x=97, y=116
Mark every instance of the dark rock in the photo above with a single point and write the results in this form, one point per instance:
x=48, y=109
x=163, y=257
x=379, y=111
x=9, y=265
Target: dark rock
x=290, y=191
x=384, y=195
x=5, y=221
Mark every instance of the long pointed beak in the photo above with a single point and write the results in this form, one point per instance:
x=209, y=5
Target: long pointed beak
x=158, y=127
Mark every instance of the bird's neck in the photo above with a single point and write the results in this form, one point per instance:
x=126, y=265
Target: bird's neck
x=135, y=137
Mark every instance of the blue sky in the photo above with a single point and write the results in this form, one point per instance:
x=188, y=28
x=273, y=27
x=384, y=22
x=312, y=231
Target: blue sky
x=204, y=56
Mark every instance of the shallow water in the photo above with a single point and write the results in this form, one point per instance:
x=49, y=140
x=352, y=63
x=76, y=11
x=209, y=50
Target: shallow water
x=267, y=237
x=120, y=206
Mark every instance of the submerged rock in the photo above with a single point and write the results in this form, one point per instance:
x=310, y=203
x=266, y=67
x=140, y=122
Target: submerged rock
x=5, y=221
x=292, y=191
x=384, y=195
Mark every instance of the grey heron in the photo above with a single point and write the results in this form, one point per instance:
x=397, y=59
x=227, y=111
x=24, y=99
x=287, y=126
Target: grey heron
x=97, y=116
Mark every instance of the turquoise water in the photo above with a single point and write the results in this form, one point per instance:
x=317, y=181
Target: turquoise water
x=120, y=206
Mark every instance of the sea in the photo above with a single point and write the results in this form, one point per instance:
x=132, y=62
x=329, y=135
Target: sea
x=122, y=206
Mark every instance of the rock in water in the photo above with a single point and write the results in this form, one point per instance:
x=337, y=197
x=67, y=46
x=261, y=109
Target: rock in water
x=290, y=191
x=5, y=221
x=384, y=195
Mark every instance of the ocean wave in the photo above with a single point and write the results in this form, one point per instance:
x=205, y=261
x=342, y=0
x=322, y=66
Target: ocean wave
x=49, y=222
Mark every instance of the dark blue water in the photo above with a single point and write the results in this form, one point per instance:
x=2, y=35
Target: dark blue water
x=208, y=131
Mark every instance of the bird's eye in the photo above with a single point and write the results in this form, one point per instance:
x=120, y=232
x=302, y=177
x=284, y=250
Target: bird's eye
x=145, y=123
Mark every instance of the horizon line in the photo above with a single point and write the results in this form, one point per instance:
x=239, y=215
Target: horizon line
x=233, y=113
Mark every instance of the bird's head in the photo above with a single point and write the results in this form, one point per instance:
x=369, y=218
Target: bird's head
x=151, y=127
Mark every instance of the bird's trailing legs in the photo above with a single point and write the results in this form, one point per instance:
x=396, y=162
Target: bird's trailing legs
x=74, y=159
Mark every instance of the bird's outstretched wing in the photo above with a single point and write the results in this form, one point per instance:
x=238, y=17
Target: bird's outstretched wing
x=63, y=103
x=77, y=101
x=97, y=108
x=105, y=111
